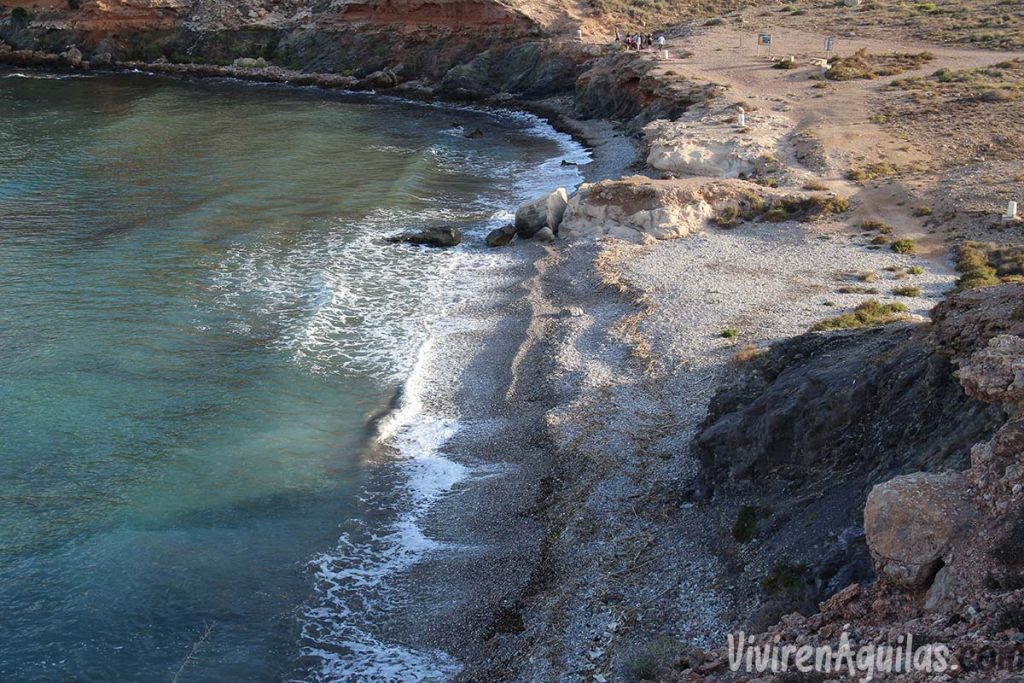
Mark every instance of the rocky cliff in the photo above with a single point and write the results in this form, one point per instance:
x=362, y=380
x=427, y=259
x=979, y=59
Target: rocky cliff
x=411, y=39
x=806, y=432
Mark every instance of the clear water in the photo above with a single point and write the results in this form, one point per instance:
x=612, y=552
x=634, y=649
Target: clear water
x=198, y=320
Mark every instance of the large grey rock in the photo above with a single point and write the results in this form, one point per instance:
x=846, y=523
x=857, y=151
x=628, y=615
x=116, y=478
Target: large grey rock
x=911, y=523
x=557, y=203
x=995, y=374
x=543, y=212
x=942, y=595
x=430, y=237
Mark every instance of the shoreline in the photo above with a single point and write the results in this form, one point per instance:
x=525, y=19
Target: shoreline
x=657, y=442
x=593, y=134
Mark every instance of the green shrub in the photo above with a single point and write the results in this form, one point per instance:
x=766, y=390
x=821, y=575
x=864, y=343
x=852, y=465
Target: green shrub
x=904, y=246
x=869, y=224
x=729, y=333
x=868, y=314
x=19, y=14
x=785, y=578
x=727, y=218
x=977, y=277
x=915, y=270
x=746, y=524
x=908, y=290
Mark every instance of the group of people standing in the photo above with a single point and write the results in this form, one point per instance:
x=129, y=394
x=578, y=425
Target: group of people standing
x=638, y=41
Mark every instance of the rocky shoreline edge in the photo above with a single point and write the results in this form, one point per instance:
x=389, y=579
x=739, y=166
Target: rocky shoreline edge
x=677, y=456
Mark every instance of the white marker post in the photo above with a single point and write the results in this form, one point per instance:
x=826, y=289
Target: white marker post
x=743, y=117
x=1011, y=211
x=579, y=34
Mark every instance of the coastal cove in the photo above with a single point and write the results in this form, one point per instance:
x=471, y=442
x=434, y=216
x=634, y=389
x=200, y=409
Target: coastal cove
x=195, y=281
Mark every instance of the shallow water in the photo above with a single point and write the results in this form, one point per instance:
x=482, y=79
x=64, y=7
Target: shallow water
x=198, y=320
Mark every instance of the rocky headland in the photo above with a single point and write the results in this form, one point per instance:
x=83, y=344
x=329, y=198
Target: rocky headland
x=766, y=369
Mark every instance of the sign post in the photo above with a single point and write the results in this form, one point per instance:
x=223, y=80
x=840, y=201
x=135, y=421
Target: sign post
x=830, y=44
x=766, y=40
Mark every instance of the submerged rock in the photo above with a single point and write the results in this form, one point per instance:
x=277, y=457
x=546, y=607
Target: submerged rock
x=430, y=237
x=474, y=134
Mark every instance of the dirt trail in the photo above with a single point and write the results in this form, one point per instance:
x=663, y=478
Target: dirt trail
x=831, y=128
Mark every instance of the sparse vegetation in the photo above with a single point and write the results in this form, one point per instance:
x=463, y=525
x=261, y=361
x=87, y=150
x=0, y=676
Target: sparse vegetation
x=867, y=276
x=868, y=314
x=815, y=186
x=747, y=353
x=729, y=333
x=1002, y=82
x=651, y=661
x=915, y=270
x=857, y=289
x=881, y=169
x=908, y=290
x=922, y=211
x=879, y=239
x=754, y=208
x=745, y=527
x=870, y=224
x=904, y=246
x=786, y=579
x=983, y=264
x=862, y=65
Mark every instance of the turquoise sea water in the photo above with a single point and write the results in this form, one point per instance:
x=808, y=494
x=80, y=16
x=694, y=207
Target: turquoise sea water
x=198, y=320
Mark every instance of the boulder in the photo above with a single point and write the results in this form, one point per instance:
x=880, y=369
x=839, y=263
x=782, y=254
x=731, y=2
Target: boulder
x=710, y=144
x=474, y=134
x=546, y=211
x=995, y=374
x=912, y=522
x=102, y=59
x=498, y=238
x=942, y=595
x=385, y=78
x=557, y=202
x=430, y=237
x=72, y=56
x=641, y=210
x=544, y=235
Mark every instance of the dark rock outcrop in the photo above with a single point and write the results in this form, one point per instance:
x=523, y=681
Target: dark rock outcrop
x=532, y=69
x=879, y=402
x=429, y=237
x=806, y=430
